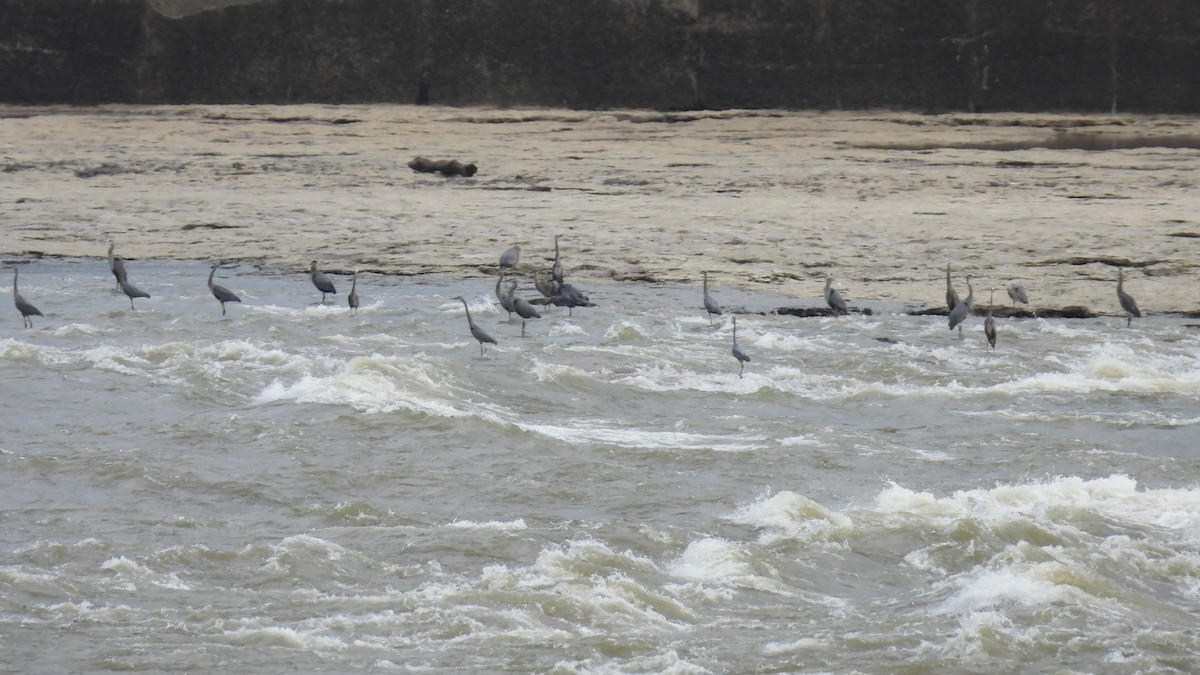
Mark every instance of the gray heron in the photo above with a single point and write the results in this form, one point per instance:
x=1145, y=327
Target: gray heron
x=26, y=308
x=222, y=294
x=321, y=281
x=476, y=332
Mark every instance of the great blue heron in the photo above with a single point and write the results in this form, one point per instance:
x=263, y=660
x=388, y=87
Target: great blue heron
x=738, y=354
x=510, y=257
x=222, y=294
x=710, y=305
x=556, y=272
x=115, y=265
x=570, y=297
x=547, y=287
x=989, y=324
x=833, y=298
x=963, y=308
x=321, y=281
x=1017, y=293
x=1127, y=301
x=521, y=306
x=353, y=297
x=504, y=298
x=476, y=331
x=132, y=291
x=951, y=294
x=27, y=310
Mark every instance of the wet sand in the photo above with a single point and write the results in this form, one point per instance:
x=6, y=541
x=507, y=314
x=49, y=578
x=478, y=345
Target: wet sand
x=761, y=199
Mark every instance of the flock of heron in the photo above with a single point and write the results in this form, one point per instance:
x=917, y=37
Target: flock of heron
x=556, y=291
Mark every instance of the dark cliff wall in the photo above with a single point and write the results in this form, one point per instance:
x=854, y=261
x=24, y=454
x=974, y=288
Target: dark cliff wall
x=1093, y=55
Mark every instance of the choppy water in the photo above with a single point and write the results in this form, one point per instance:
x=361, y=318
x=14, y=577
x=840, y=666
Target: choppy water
x=292, y=487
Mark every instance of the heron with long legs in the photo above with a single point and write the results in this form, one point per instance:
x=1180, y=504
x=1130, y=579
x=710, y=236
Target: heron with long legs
x=1127, y=302
x=353, y=297
x=570, y=297
x=504, y=297
x=951, y=294
x=222, y=294
x=26, y=308
x=833, y=298
x=476, y=332
x=963, y=308
x=989, y=324
x=321, y=281
x=738, y=354
x=521, y=306
x=130, y=290
x=710, y=304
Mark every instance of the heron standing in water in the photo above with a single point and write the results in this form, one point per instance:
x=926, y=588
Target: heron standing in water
x=989, y=324
x=521, y=306
x=222, y=294
x=504, y=297
x=1127, y=302
x=738, y=354
x=963, y=308
x=26, y=308
x=115, y=265
x=129, y=289
x=353, y=297
x=321, y=281
x=710, y=304
x=476, y=332
x=951, y=294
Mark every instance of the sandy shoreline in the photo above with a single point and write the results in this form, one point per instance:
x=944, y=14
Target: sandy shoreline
x=761, y=199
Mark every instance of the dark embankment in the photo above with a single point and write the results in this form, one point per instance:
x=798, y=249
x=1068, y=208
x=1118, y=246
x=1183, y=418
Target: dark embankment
x=1086, y=55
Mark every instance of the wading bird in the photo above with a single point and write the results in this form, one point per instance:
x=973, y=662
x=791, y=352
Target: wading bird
x=476, y=331
x=1017, y=293
x=505, y=298
x=556, y=272
x=115, y=265
x=321, y=281
x=510, y=257
x=570, y=297
x=951, y=294
x=989, y=324
x=963, y=308
x=132, y=291
x=833, y=298
x=222, y=294
x=738, y=354
x=710, y=305
x=27, y=310
x=353, y=297
x=547, y=287
x=1127, y=301
x=521, y=306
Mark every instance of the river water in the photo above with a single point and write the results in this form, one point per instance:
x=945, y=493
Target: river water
x=292, y=487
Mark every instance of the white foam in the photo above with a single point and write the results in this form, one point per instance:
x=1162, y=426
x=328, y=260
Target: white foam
x=501, y=526
x=788, y=515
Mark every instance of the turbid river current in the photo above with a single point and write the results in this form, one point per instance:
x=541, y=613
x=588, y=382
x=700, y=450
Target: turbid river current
x=292, y=487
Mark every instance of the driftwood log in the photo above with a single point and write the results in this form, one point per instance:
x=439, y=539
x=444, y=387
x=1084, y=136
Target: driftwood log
x=446, y=167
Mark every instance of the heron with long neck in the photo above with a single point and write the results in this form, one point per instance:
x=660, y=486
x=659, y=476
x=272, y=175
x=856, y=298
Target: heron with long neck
x=476, y=332
x=26, y=308
x=222, y=294
x=1127, y=302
